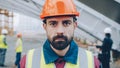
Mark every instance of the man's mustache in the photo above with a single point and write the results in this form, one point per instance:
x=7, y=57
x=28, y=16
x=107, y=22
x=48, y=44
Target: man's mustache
x=60, y=36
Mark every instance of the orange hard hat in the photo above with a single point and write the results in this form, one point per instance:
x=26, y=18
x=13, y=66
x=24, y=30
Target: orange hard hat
x=58, y=8
x=19, y=35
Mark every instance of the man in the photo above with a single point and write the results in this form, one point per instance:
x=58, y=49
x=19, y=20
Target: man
x=3, y=47
x=106, y=47
x=18, y=49
x=59, y=50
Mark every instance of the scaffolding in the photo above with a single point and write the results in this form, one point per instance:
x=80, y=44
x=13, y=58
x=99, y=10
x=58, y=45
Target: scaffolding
x=6, y=21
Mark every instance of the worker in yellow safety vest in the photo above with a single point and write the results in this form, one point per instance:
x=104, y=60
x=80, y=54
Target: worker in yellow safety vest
x=18, y=49
x=59, y=50
x=3, y=47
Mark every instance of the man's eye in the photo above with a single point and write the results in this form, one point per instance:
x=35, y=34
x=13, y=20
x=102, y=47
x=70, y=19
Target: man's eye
x=66, y=23
x=53, y=24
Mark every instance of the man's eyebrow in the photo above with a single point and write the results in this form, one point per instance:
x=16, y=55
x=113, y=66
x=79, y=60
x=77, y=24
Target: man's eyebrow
x=51, y=21
x=67, y=20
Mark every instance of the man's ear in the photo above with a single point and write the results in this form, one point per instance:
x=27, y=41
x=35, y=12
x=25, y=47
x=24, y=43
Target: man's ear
x=75, y=24
x=44, y=26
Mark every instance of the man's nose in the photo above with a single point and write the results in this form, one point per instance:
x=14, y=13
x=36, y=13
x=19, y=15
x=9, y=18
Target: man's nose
x=60, y=29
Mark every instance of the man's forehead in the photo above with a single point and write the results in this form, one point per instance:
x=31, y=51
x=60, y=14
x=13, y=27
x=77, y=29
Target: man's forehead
x=60, y=18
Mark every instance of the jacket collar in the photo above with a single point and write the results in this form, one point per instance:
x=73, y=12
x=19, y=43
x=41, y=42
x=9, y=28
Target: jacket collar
x=50, y=56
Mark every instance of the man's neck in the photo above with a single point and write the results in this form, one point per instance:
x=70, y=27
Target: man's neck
x=61, y=52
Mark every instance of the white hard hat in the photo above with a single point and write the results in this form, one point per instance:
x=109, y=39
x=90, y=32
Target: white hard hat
x=4, y=31
x=107, y=30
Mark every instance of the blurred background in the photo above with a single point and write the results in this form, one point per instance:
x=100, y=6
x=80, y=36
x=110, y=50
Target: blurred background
x=95, y=15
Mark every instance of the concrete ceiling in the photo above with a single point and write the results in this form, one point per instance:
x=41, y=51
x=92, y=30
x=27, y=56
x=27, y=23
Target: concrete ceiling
x=109, y=8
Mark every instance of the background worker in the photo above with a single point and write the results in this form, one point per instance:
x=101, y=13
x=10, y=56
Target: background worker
x=3, y=46
x=18, y=49
x=59, y=50
x=106, y=47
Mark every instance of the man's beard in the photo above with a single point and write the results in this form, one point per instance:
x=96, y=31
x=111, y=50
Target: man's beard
x=62, y=44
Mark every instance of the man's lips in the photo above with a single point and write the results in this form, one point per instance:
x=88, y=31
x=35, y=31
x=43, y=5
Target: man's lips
x=59, y=39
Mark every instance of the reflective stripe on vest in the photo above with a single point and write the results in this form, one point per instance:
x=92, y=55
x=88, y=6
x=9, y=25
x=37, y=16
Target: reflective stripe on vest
x=35, y=59
x=86, y=59
x=2, y=45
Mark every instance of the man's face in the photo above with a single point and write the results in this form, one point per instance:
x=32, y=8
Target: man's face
x=60, y=31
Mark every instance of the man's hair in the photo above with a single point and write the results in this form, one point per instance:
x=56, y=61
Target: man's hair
x=108, y=35
x=74, y=19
